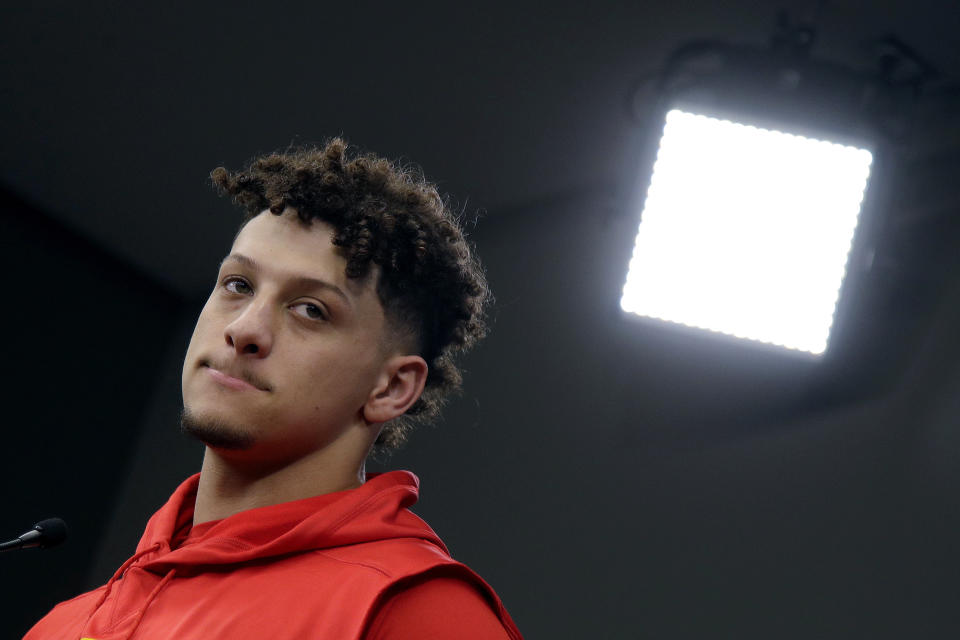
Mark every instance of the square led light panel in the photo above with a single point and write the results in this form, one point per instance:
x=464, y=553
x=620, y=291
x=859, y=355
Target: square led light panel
x=746, y=231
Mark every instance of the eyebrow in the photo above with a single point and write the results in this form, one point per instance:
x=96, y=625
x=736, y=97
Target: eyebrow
x=296, y=281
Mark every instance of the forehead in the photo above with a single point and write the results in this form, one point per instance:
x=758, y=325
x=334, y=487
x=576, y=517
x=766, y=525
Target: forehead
x=268, y=232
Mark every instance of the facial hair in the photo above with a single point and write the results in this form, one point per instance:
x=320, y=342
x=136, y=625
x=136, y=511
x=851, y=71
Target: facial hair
x=215, y=433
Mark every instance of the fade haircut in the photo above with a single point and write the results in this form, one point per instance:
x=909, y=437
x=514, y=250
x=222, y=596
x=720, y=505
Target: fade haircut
x=431, y=286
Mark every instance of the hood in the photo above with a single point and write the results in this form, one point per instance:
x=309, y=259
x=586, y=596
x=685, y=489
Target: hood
x=377, y=510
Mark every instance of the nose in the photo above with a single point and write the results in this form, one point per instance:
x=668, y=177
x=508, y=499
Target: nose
x=250, y=333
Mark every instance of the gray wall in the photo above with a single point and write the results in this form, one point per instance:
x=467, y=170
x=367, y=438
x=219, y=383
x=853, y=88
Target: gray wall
x=618, y=479
x=82, y=337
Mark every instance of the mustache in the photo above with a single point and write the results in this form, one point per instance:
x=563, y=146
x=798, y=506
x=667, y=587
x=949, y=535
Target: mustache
x=242, y=374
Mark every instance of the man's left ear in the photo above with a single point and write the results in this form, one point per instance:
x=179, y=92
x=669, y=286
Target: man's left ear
x=400, y=384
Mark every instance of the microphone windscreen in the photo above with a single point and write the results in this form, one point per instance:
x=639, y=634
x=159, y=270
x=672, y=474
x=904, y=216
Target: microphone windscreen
x=52, y=530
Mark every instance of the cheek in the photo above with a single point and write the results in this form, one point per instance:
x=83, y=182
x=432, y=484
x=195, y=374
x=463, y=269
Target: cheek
x=206, y=323
x=198, y=339
x=332, y=382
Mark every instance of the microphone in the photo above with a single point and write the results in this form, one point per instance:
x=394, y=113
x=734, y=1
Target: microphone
x=45, y=534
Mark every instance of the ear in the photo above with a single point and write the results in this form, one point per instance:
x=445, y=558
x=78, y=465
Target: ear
x=400, y=384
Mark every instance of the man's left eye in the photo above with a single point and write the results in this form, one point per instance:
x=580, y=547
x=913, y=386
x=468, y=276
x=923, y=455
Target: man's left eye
x=312, y=311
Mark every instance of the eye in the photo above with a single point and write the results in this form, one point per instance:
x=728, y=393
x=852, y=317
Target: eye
x=311, y=310
x=237, y=285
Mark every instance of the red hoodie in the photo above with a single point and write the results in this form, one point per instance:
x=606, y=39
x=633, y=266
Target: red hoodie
x=315, y=568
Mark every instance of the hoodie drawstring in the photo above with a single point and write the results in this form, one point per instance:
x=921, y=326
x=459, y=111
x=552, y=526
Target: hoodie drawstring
x=116, y=576
x=153, y=594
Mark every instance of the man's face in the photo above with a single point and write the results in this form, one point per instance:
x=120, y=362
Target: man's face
x=287, y=349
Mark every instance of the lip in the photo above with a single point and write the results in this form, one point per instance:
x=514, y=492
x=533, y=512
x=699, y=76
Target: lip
x=229, y=381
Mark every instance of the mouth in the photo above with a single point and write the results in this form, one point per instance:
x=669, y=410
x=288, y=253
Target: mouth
x=241, y=382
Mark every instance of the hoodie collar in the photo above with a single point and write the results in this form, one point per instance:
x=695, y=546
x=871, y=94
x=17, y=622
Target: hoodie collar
x=376, y=510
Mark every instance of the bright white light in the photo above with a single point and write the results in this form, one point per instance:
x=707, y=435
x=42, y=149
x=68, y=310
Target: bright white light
x=746, y=231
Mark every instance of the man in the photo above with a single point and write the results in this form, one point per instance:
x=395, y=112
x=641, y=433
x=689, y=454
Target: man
x=332, y=324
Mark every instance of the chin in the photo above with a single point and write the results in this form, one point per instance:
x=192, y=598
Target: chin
x=216, y=433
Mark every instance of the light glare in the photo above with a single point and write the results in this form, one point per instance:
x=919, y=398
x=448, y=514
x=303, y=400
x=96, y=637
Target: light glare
x=746, y=231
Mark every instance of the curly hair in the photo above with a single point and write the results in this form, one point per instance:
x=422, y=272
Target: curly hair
x=431, y=286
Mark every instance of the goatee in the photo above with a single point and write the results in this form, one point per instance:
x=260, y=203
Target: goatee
x=215, y=433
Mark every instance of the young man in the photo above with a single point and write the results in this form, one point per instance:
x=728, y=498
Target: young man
x=333, y=321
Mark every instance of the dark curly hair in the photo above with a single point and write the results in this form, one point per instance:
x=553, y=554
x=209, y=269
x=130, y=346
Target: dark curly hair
x=433, y=290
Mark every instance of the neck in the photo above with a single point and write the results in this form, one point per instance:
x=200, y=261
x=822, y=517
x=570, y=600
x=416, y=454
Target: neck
x=229, y=485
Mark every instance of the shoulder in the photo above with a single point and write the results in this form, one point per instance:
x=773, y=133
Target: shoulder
x=438, y=605
x=66, y=615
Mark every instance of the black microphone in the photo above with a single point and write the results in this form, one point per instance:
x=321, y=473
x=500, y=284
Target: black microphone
x=45, y=534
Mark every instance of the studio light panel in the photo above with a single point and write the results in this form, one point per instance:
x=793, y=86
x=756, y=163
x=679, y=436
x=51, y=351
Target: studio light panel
x=746, y=231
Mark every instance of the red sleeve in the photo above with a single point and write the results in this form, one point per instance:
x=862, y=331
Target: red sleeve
x=439, y=608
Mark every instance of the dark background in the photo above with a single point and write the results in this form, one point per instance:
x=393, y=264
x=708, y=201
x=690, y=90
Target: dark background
x=610, y=477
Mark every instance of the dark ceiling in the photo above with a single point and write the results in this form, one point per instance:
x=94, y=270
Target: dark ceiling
x=112, y=114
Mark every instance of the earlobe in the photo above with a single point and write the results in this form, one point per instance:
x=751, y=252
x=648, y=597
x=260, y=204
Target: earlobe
x=401, y=384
